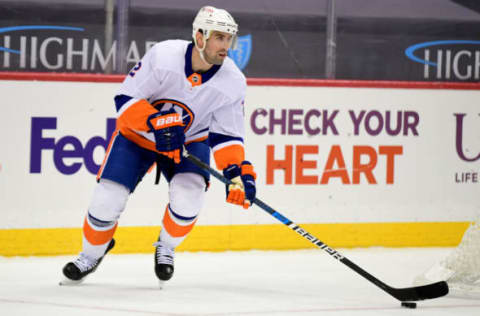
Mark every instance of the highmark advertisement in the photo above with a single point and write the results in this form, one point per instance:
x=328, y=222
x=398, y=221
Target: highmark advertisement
x=323, y=155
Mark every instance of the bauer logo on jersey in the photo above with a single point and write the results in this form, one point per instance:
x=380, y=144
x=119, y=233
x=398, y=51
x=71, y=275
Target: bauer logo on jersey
x=241, y=55
x=185, y=113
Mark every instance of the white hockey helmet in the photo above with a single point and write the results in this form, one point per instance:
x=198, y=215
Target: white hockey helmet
x=210, y=19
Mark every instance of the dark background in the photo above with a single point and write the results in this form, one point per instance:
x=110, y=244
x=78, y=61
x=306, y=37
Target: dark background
x=288, y=37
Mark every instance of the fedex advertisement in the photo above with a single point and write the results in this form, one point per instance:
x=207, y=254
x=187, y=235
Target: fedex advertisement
x=322, y=155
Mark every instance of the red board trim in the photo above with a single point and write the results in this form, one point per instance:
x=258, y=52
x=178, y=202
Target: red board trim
x=81, y=77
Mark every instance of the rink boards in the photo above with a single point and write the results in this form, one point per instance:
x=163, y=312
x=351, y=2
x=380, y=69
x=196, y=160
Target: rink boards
x=356, y=163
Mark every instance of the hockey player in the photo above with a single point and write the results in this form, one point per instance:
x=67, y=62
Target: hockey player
x=181, y=95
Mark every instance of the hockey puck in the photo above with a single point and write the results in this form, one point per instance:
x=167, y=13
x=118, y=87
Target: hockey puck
x=409, y=304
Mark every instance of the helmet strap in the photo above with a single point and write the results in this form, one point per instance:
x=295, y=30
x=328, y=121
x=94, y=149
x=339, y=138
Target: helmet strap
x=200, y=50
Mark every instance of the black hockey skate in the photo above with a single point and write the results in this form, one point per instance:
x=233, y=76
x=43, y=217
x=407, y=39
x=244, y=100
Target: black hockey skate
x=76, y=271
x=163, y=261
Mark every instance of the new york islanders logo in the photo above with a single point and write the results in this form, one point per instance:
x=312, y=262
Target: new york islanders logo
x=179, y=107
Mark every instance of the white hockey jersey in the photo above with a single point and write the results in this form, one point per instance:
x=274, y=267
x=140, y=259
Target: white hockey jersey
x=211, y=103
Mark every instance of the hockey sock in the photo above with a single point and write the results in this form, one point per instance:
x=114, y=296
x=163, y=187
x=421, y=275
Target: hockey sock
x=96, y=236
x=175, y=227
x=187, y=196
x=108, y=202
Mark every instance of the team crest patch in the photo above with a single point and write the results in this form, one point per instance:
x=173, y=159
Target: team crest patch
x=241, y=55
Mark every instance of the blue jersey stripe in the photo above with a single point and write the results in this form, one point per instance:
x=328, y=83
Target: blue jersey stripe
x=120, y=100
x=214, y=139
x=201, y=131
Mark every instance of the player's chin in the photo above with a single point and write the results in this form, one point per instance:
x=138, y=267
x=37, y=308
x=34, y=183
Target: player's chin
x=218, y=61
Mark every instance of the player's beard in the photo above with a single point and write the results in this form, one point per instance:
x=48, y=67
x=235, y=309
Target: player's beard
x=213, y=58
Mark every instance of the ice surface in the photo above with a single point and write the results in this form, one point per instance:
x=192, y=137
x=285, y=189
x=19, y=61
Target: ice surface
x=303, y=282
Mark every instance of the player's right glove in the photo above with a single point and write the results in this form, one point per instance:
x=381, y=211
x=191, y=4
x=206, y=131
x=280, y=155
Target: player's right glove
x=167, y=127
x=242, y=191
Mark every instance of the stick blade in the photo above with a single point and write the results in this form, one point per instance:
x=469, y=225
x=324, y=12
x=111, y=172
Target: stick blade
x=420, y=293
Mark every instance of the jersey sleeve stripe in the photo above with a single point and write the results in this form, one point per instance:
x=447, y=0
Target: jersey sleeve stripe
x=120, y=100
x=216, y=139
x=193, y=140
x=200, y=131
x=234, y=153
x=132, y=123
x=127, y=105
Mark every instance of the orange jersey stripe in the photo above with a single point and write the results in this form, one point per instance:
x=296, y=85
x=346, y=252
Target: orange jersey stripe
x=107, y=153
x=200, y=139
x=233, y=154
x=96, y=237
x=174, y=229
x=135, y=118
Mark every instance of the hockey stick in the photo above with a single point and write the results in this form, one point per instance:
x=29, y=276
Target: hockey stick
x=416, y=293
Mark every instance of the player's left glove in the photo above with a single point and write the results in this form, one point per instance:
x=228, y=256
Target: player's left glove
x=242, y=191
x=167, y=127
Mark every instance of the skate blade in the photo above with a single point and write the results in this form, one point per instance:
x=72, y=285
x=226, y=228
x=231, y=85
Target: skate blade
x=68, y=282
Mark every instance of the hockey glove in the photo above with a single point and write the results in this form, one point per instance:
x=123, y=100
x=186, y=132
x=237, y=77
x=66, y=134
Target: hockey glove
x=167, y=127
x=242, y=191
